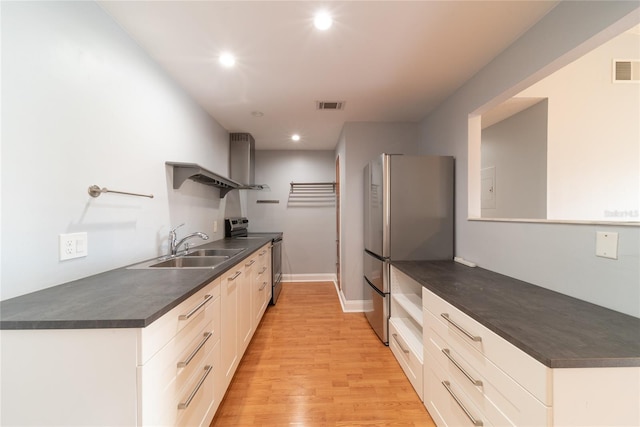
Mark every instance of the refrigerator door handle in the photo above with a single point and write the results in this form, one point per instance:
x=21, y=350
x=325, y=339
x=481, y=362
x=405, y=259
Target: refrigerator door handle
x=375, y=255
x=374, y=288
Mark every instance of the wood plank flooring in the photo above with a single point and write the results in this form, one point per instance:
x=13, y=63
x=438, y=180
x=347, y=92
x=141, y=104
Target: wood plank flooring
x=310, y=364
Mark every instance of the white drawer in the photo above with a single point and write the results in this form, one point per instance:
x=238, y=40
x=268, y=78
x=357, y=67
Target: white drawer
x=408, y=358
x=500, y=399
x=172, y=370
x=157, y=334
x=525, y=370
x=204, y=402
x=442, y=406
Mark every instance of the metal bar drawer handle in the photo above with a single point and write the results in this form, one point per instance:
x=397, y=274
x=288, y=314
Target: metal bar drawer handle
x=475, y=422
x=263, y=270
x=235, y=275
x=207, y=335
x=196, y=308
x=185, y=404
x=395, y=337
x=263, y=252
x=472, y=337
x=466, y=374
x=263, y=285
x=253, y=261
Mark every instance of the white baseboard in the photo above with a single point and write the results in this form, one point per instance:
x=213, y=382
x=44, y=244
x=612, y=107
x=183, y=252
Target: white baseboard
x=315, y=277
x=348, y=306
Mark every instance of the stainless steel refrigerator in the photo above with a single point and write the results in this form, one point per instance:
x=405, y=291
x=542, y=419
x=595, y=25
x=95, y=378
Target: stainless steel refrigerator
x=408, y=215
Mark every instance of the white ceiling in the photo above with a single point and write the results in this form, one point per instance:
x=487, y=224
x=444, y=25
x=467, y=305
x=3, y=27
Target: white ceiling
x=389, y=60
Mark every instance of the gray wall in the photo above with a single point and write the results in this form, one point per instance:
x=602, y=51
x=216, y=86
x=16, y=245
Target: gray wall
x=517, y=150
x=309, y=227
x=82, y=104
x=359, y=143
x=560, y=257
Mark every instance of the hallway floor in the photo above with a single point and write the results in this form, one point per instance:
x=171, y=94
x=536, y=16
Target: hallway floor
x=310, y=364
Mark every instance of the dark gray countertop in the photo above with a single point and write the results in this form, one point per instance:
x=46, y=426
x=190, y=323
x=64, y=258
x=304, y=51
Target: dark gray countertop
x=120, y=298
x=557, y=330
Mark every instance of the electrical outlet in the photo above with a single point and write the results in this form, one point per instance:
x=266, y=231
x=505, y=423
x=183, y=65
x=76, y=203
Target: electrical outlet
x=73, y=245
x=215, y=226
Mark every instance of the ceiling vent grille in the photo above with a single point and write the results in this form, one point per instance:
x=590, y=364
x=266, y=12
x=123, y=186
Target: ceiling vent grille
x=330, y=105
x=240, y=137
x=626, y=71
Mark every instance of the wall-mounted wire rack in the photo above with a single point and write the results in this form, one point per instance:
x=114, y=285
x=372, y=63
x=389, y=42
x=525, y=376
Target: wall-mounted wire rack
x=312, y=194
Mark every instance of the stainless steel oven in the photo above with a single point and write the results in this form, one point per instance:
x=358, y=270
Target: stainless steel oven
x=276, y=268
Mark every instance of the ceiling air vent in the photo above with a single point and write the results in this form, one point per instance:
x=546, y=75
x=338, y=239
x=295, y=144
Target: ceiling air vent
x=330, y=105
x=240, y=137
x=626, y=71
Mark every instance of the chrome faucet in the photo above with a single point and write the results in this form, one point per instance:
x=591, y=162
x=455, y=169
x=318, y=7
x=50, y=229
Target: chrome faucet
x=175, y=243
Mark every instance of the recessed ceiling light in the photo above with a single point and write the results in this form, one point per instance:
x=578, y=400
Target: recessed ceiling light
x=227, y=60
x=322, y=21
x=295, y=137
x=257, y=113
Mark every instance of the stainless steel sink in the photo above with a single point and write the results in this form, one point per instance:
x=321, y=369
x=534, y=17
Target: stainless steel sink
x=197, y=258
x=191, y=262
x=213, y=252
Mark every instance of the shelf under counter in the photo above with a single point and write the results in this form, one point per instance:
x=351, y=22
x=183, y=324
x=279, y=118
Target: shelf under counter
x=412, y=304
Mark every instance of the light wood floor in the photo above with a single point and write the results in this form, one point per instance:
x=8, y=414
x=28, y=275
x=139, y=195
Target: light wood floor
x=310, y=364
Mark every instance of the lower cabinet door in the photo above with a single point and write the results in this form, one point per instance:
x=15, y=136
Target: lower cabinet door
x=410, y=362
x=229, y=357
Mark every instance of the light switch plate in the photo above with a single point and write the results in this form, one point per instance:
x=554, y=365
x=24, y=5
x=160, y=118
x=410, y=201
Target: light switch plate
x=607, y=244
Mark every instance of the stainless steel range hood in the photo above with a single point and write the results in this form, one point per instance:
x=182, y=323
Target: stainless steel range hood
x=242, y=160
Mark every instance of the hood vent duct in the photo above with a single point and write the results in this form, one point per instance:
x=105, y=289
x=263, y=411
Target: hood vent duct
x=242, y=160
x=242, y=157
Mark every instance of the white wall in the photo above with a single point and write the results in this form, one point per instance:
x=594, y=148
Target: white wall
x=359, y=143
x=82, y=104
x=309, y=228
x=594, y=136
x=517, y=150
x=560, y=257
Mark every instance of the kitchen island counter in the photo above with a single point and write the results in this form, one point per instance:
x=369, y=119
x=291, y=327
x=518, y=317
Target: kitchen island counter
x=121, y=298
x=557, y=330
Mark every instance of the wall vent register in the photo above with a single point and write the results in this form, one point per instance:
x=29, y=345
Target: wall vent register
x=626, y=71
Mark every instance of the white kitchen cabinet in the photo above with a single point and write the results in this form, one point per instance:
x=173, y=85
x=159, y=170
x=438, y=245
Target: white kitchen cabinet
x=405, y=327
x=238, y=314
x=128, y=376
x=471, y=373
x=261, y=286
x=245, y=315
x=175, y=371
x=229, y=342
